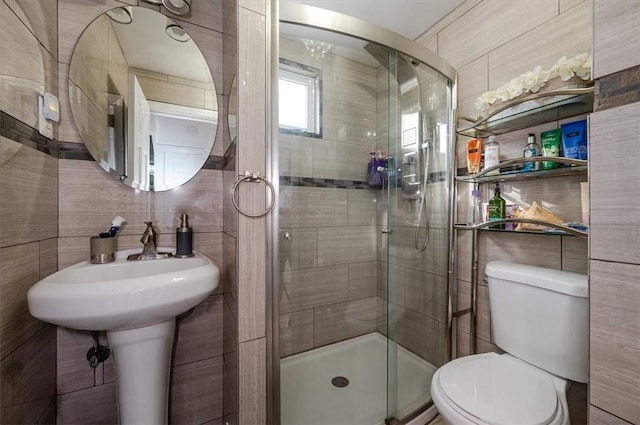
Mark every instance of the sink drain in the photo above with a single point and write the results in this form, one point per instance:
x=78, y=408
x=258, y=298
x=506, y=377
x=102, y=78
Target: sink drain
x=340, y=382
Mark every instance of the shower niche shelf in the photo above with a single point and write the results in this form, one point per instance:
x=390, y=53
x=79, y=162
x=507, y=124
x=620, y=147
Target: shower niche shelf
x=528, y=111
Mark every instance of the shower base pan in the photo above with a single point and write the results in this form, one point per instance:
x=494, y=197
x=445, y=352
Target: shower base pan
x=346, y=383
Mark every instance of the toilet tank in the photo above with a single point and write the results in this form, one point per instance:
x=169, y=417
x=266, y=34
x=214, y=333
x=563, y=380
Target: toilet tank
x=541, y=316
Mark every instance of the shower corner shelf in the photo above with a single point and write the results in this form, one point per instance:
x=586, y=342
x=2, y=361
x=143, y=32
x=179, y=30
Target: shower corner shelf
x=531, y=110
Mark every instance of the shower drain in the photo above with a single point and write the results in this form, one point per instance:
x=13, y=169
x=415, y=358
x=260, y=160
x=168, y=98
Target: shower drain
x=340, y=382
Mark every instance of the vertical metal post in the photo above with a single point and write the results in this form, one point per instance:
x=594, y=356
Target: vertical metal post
x=273, y=224
x=474, y=291
x=451, y=339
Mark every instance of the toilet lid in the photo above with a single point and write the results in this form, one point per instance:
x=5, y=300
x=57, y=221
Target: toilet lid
x=500, y=390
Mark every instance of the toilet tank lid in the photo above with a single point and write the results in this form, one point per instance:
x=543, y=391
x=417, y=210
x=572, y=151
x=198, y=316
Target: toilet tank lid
x=574, y=284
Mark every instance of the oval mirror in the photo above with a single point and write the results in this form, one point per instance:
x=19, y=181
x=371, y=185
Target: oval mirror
x=143, y=98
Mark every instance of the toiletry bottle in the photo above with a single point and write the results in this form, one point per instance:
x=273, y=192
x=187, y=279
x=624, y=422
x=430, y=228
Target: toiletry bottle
x=532, y=149
x=371, y=168
x=382, y=168
x=184, y=238
x=497, y=208
x=474, y=154
x=475, y=215
x=550, y=141
x=492, y=155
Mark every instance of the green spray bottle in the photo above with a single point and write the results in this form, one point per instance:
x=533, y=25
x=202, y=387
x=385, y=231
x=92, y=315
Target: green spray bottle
x=497, y=208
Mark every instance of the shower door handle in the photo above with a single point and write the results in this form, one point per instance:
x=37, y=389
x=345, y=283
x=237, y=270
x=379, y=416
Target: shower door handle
x=385, y=231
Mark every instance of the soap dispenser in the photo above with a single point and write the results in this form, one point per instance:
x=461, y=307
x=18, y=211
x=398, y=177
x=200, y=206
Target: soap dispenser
x=184, y=238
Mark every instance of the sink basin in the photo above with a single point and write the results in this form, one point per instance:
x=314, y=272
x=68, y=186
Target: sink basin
x=136, y=302
x=123, y=294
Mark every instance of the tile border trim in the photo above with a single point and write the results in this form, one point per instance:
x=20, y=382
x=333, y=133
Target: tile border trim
x=343, y=184
x=16, y=130
x=618, y=89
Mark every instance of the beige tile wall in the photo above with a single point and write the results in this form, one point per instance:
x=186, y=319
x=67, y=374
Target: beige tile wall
x=600, y=417
x=616, y=45
x=615, y=326
x=246, y=361
x=28, y=249
x=613, y=251
x=614, y=179
x=198, y=368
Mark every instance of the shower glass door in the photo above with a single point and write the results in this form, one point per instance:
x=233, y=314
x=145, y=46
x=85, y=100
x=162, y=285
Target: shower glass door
x=363, y=155
x=415, y=209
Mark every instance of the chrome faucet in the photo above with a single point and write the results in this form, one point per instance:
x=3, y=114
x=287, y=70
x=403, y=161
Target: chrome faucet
x=149, y=239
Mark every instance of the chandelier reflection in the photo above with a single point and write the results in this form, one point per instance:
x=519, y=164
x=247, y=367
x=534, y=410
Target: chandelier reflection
x=317, y=49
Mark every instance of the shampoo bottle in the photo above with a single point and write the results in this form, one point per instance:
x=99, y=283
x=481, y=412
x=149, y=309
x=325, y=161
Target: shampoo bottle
x=184, y=238
x=497, y=208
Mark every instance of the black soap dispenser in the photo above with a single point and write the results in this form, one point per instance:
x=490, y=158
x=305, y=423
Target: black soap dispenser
x=184, y=238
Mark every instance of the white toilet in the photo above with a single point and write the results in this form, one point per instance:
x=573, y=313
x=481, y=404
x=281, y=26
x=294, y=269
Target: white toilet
x=540, y=318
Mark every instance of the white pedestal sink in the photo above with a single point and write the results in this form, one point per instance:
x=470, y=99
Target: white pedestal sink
x=136, y=302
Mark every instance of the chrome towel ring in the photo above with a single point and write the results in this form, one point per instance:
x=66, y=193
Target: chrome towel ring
x=253, y=177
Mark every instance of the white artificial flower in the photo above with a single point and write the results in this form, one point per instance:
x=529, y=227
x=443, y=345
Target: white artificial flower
x=532, y=81
x=552, y=72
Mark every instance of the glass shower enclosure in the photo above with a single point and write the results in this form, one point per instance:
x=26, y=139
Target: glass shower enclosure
x=363, y=162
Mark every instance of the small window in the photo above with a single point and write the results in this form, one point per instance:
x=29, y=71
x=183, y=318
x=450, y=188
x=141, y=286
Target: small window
x=299, y=91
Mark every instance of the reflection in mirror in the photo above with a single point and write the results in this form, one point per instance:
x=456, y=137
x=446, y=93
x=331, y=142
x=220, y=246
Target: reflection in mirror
x=143, y=99
x=22, y=69
x=233, y=112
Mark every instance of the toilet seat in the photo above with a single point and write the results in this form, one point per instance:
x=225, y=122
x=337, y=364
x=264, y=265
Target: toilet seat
x=497, y=390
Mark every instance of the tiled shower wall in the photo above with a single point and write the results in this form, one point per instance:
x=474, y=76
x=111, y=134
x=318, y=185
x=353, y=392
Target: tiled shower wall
x=328, y=266
x=29, y=204
x=334, y=266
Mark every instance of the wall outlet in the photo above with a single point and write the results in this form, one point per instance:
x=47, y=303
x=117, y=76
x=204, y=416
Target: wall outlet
x=45, y=127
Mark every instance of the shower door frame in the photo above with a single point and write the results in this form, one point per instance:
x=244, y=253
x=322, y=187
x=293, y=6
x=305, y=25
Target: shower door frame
x=314, y=17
